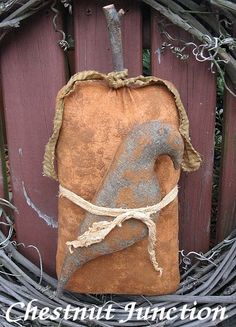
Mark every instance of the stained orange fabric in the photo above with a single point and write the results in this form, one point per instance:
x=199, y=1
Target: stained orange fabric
x=96, y=118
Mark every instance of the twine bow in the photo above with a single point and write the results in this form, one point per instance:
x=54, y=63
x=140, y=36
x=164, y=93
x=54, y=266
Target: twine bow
x=99, y=230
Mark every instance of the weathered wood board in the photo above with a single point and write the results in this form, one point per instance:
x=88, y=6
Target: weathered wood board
x=196, y=85
x=1, y=146
x=32, y=67
x=92, y=47
x=226, y=221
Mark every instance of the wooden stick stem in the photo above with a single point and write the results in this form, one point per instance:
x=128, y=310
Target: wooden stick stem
x=113, y=24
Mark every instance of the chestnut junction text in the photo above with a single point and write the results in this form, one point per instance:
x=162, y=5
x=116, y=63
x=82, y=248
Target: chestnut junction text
x=131, y=311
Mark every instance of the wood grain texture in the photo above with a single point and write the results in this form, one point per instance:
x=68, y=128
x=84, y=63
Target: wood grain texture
x=32, y=68
x=92, y=45
x=196, y=85
x=226, y=221
x=4, y=181
x=2, y=157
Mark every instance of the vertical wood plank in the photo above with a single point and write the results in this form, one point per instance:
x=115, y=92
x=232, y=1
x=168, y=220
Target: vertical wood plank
x=2, y=154
x=32, y=67
x=92, y=47
x=226, y=220
x=4, y=181
x=196, y=85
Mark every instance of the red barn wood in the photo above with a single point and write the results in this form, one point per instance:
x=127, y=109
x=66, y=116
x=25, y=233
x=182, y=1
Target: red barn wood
x=227, y=200
x=92, y=49
x=2, y=157
x=196, y=86
x=32, y=67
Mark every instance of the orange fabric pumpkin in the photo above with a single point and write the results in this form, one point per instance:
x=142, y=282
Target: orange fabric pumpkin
x=95, y=113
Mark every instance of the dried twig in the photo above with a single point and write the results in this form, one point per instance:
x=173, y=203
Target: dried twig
x=114, y=29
